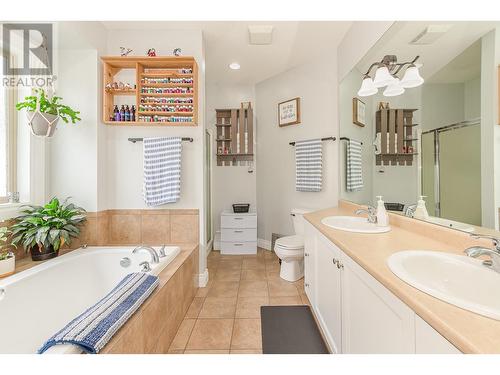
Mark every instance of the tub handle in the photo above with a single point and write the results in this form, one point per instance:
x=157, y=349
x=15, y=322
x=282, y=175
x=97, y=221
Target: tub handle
x=125, y=262
x=145, y=266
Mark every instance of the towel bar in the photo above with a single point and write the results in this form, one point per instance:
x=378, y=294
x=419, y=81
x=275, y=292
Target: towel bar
x=133, y=140
x=323, y=139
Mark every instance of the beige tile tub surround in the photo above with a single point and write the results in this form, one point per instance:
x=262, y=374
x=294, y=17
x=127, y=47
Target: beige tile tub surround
x=153, y=327
x=469, y=332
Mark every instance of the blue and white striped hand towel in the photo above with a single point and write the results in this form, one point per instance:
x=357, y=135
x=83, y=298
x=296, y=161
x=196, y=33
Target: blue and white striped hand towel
x=354, y=171
x=162, y=170
x=308, y=165
x=95, y=327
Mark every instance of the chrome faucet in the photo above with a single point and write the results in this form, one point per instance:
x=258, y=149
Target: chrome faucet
x=410, y=210
x=494, y=254
x=154, y=255
x=370, y=211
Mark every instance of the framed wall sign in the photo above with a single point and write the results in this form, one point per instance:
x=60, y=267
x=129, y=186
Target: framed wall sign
x=289, y=112
x=358, y=112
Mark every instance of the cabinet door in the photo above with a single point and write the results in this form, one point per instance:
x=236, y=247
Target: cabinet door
x=430, y=341
x=328, y=290
x=373, y=319
x=309, y=264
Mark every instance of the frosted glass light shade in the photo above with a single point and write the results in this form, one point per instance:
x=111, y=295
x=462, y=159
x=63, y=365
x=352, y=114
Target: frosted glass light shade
x=367, y=87
x=412, y=77
x=382, y=77
x=394, y=89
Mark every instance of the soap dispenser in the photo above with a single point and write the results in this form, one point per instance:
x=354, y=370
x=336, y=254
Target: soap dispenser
x=382, y=216
x=421, y=210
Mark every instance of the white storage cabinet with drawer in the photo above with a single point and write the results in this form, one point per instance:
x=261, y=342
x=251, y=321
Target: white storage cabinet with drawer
x=238, y=233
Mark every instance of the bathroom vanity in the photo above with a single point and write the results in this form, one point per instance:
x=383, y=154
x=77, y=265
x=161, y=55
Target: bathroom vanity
x=362, y=307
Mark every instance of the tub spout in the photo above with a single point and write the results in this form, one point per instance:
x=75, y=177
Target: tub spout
x=154, y=255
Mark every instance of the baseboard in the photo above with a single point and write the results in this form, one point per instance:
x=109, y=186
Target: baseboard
x=203, y=279
x=265, y=244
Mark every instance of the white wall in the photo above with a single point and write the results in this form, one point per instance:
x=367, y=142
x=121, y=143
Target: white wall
x=316, y=85
x=230, y=184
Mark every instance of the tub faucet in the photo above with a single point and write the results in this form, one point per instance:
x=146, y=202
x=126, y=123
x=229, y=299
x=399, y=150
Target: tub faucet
x=370, y=211
x=154, y=255
x=494, y=254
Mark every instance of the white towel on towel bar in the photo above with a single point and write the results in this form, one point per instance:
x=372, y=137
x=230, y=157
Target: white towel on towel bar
x=309, y=165
x=354, y=171
x=162, y=170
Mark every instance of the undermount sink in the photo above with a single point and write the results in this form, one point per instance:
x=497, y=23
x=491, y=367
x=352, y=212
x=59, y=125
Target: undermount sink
x=456, y=279
x=356, y=224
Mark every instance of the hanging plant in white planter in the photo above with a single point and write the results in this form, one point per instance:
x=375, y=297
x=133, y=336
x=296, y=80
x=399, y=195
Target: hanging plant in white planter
x=44, y=113
x=7, y=258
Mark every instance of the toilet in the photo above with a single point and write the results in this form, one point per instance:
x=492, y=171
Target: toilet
x=290, y=249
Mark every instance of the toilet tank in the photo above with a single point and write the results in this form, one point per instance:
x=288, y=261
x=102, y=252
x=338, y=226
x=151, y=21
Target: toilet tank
x=298, y=220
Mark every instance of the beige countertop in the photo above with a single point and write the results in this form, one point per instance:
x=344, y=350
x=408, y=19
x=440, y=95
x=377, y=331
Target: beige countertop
x=469, y=332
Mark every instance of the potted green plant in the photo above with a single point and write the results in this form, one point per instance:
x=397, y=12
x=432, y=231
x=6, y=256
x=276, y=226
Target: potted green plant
x=45, y=112
x=7, y=258
x=43, y=230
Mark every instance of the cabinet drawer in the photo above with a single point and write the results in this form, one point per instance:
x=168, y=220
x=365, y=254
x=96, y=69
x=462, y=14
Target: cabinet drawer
x=238, y=235
x=233, y=221
x=238, y=247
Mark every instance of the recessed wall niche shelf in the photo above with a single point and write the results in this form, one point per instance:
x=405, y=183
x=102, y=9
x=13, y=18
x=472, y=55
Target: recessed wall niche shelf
x=166, y=92
x=234, y=139
x=396, y=136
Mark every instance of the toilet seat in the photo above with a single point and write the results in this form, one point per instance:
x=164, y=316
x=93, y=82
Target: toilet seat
x=290, y=243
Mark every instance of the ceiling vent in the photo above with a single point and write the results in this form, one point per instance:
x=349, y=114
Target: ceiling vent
x=430, y=34
x=260, y=34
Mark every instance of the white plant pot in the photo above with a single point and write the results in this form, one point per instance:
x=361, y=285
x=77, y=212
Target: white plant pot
x=40, y=123
x=7, y=266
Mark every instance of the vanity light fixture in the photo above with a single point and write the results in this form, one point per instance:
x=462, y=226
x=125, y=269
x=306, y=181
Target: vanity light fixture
x=234, y=66
x=386, y=75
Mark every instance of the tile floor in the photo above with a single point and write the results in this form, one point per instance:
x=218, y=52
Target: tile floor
x=224, y=317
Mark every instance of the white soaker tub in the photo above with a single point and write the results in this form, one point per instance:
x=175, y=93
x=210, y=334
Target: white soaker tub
x=38, y=302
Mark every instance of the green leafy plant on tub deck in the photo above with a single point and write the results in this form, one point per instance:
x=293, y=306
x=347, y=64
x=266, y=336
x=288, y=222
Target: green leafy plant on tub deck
x=47, y=228
x=50, y=106
x=4, y=232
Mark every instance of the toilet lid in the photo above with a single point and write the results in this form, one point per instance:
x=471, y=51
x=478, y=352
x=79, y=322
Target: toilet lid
x=290, y=242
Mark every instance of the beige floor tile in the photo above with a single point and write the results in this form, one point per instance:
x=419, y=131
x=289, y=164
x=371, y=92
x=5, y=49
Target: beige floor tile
x=206, y=351
x=216, y=307
x=202, y=292
x=211, y=334
x=282, y=288
x=246, y=334
x=273, y=275
x=223, y=289
x=249, y=307
x=258, y=274
x=253, y=264
x=253, y=289
x=305, y=300
x=246, y=351
x=181, y=338
x=195, y=307
x=230, y=266
x=285, y=301
x=230, y=274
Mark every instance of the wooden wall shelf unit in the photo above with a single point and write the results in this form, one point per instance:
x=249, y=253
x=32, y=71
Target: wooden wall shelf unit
x=234, y=139
x=396, y=136
x=170, y=71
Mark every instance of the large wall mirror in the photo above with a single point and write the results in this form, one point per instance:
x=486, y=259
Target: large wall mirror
x=430, y=125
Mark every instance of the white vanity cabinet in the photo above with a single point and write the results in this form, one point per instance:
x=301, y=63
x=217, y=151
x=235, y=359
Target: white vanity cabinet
x=373, y=319
x=356, y=313
x=328, y=292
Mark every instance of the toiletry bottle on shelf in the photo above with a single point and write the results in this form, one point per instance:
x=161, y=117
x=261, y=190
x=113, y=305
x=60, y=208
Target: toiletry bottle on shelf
x=421, y=210
x=116, y=114
x=132, y=113
x=382, y=216
x=122, y=113
x=127, y=113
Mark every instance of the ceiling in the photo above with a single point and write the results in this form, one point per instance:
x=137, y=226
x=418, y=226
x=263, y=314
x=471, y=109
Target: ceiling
x=294, y=43
x=460, y=36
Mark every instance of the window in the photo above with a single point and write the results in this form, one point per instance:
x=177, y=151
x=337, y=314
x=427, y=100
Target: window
x=8, y=130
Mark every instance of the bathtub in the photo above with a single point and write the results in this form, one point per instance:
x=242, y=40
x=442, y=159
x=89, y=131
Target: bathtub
x=38, y=302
